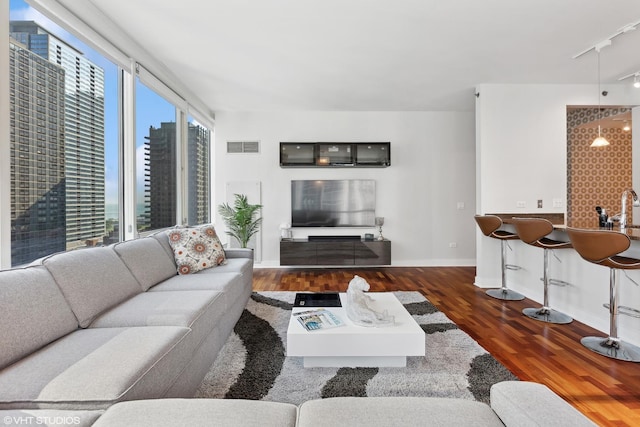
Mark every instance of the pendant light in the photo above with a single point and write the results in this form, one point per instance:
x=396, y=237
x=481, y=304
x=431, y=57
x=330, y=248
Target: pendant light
x=600, y=141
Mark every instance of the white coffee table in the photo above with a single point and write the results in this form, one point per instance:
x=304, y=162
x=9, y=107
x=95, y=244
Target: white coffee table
x=358, y=346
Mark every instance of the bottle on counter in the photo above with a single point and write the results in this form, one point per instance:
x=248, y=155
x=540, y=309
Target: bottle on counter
x=602, y=217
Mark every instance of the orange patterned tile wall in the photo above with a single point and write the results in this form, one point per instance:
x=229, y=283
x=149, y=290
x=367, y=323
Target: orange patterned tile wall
x=595, y=176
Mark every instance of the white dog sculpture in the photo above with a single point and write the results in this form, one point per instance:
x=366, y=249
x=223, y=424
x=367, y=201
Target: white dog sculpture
x=359, y=308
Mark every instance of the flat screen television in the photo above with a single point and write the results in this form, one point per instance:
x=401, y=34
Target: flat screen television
x=333, y=203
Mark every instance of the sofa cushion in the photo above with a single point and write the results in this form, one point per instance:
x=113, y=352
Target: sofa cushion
x=177, y=308
x=233, y=285
x=95, y=368
x=395, y=411
x=196, y=248
x=199, y=413
x=33, y=312
x=198, y=310
x=92, y=280
x=523, y=403
x=48, y=417
x=162, y=238
x=147, y=260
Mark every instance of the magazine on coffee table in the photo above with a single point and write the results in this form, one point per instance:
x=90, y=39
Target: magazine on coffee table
x=313, y=320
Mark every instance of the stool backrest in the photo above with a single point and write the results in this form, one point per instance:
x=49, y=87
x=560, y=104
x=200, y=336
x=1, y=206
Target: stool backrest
x=531, y=230
x=488, y=223
x=598, y=245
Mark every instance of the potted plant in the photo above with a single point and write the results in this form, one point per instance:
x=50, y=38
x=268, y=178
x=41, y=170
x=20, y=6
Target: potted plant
x=241, y=220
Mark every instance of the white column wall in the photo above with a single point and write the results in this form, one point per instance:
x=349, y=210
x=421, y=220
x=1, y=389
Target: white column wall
x=521, y=156
x=432, y=170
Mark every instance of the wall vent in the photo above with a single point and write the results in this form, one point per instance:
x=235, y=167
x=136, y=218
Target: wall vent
x=237, y=147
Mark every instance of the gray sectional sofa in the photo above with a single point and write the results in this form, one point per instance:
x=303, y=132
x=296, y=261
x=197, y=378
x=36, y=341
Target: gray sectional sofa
x=113, y=336
x=86, y=329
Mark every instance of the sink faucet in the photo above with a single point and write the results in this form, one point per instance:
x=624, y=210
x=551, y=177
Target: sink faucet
x=636, y=203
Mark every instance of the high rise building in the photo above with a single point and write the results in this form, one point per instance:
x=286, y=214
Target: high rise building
x=38, y=212
x=198, y=174
x=84, y=132
x=161, y=175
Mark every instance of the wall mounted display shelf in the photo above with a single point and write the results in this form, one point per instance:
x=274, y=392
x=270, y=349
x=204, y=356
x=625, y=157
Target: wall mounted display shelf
x=335, y=154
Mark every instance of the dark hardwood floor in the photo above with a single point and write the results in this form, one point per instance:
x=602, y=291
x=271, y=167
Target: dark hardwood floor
x=605, y=390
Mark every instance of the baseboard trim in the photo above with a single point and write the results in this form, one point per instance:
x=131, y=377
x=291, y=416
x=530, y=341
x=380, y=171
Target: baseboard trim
x=486, y=283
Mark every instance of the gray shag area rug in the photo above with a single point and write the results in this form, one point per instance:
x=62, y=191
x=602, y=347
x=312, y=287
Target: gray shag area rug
x=253, y=365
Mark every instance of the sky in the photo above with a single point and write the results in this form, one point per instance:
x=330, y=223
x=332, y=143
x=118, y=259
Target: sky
x=151, y=109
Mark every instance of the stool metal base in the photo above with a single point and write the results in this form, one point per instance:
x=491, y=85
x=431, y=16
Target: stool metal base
x=545, y=314
x=613, y=348
x=505, y=294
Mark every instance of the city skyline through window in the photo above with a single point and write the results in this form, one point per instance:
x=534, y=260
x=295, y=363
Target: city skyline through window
x=69, y=162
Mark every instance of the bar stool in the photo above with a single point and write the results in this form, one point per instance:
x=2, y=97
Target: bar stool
x=533, y=231
x=602, y=247
x=489, y=225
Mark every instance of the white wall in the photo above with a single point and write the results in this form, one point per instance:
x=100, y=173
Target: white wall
x=522, y=141
x=432, y=169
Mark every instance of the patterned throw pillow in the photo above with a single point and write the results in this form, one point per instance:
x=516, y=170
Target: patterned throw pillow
x=196, y=248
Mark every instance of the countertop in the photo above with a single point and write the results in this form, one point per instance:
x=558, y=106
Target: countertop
x=559, y=223
x=633, y=232
x=555, y=218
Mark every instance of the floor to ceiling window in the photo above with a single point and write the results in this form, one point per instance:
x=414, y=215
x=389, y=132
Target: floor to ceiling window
x=83, y=117
x=63, y=138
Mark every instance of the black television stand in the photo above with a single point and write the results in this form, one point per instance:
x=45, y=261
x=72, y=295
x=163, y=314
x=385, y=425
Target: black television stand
x=335, y=251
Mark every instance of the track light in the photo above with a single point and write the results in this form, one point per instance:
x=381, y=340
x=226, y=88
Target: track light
x=636, y=78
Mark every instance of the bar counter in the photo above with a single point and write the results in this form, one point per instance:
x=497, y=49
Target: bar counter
x=633, y=232
x=588, y=283
x=558, y=222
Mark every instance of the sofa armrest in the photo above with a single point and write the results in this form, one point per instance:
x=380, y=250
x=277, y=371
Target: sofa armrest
x=238, y=253
x=522, y=404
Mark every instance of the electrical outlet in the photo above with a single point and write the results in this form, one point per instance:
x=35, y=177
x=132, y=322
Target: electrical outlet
x=521, y=204
x=453, y=245
x=557, y=203
x=460, y=205
x=539, y=203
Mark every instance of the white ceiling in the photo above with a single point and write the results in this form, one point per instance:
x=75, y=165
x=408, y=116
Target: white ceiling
x=370, y=55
